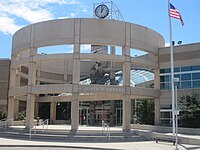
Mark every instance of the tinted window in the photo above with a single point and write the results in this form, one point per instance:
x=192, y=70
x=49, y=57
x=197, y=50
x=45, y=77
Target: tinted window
x=185, y=85
x=195, y=67
x=167, y=70
x=185, y=77
x=196, y=84
x=195, y=76
x=189, y=68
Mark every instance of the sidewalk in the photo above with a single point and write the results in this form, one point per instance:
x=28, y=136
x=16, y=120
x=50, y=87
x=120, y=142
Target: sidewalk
x=148, y=145
x=135, y=145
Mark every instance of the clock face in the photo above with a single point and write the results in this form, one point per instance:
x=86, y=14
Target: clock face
x=101, y=11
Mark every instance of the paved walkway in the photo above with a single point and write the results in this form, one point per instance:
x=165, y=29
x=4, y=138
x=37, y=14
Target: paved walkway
x=148, y=145
x=43, y=145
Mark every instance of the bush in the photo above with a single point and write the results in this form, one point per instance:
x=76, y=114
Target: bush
x=21, y=116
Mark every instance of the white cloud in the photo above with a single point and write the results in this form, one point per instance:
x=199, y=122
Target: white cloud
x=29, y=10
x=167, y=44
x=8, y=25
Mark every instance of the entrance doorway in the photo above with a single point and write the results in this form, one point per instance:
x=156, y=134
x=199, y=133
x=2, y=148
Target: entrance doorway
x=119, y=115
x=44, y=111
x=84, y=114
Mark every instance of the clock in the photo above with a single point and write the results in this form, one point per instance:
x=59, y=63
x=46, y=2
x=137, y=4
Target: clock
x=101, y=11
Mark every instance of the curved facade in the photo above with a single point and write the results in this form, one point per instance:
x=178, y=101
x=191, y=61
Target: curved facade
x=65, y=73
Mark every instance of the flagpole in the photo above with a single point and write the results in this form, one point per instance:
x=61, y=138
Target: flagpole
x=172, y=70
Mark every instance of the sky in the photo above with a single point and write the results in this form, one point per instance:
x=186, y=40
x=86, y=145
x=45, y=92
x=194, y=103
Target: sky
x=15, y=14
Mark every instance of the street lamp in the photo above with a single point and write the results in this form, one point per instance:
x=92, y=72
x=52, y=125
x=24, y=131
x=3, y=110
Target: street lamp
x=176, y=80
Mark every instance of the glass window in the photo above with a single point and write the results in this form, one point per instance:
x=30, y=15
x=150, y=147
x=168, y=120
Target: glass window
x=164, y=86
x=186, y=84
x=166, y=70
x=195, y=76
x=177, y=69
x=185, y=77
x=196, y=84
x=188, y=68
x=165, y=122
x=165, y=78
x=165, y=106
x=165, y=114
x=195, y=68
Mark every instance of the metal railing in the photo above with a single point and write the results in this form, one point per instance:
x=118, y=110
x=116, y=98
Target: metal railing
x=44, y=123
x=106, y=129
x=4, y=123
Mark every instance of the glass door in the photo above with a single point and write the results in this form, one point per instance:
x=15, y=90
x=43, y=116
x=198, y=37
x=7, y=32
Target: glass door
x=119, y=114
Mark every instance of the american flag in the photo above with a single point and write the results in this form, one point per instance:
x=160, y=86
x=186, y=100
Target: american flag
x=174, y=13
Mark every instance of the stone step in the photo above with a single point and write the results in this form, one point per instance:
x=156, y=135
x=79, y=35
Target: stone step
x=70, y=137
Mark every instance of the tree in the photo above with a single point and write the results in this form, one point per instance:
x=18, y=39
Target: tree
x=146, y=111
x=190, y=110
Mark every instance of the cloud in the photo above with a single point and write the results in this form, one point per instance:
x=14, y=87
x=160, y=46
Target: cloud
x=31, y=11
x=8, y=25
x=167, y=44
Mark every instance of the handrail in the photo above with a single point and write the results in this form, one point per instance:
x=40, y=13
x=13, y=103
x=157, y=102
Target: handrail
x=4, y=123
x=45, y=122
x=106, y=127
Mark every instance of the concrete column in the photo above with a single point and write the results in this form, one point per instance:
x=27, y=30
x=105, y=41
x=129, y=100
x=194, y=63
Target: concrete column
x=126, y=113
x=52, y=112
x=112, y=113
x=92, y=115
x=157, y=100
x=112, y=76
x=30, y=111
x=126, y=83
x=30, y=105
x=10, y=115
x=74, y=112
x=11, y=99
x=75, y=90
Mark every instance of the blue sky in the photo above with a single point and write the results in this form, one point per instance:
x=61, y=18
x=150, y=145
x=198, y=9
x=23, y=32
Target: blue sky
x=15, y=14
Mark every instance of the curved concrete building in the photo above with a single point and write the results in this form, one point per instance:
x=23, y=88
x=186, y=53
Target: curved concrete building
x=67, y=85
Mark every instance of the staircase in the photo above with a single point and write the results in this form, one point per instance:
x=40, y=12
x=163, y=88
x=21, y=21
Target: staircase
x=83, y=135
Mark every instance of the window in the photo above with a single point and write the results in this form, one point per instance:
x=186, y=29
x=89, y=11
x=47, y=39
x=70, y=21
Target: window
x=185, y=77
x=167, y=70
x=188, y=68
x=185, y=85
x=195, y=76
x=189, y=77
x=196, y=84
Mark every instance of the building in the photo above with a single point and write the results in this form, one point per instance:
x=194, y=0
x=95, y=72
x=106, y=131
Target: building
x=86, y=88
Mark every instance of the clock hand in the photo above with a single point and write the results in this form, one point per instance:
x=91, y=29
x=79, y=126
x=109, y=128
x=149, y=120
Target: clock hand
x=102, y=9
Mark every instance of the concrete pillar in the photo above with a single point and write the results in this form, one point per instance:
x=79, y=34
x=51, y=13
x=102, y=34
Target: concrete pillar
x=126, y=113
x=75, y=89
x=10, y=115
x=30, y=105
x=30, y=111
x=92, y=115
x=157, y=100
x=11, y=99
x=126, y=83
x=112, y=113
x=52, y=112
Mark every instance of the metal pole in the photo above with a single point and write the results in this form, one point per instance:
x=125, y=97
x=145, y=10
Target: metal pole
x=172, y=70
x=176, y=106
